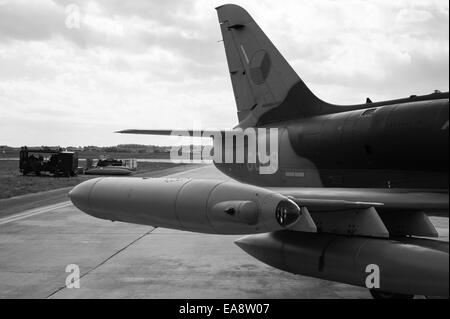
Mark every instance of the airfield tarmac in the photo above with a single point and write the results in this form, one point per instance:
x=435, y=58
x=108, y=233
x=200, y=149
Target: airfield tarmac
x=44, y=234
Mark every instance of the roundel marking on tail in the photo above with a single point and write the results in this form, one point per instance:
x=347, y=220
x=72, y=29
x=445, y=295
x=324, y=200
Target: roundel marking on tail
x=259, y=67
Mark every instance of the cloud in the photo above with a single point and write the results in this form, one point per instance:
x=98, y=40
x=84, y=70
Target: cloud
x=158, y=64
x=28, y=21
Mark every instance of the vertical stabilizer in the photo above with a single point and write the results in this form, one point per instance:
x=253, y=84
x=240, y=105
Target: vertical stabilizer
x=265, y=86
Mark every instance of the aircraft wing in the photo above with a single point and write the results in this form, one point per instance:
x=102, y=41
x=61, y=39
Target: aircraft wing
x=176, y=132
x=371, y=212
x=333, y=234
x=385, y=199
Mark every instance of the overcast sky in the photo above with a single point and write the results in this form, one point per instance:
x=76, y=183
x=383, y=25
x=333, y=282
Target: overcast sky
x=158, y=64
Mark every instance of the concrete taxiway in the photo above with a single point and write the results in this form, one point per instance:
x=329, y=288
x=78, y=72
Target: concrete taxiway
x=118, y=260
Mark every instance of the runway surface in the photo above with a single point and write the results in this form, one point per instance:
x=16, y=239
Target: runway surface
x=119, y=260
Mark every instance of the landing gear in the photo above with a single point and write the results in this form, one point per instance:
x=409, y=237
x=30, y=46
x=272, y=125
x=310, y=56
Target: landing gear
x=377, y=294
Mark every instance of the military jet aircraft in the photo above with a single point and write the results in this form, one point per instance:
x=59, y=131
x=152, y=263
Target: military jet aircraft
x=352, y=189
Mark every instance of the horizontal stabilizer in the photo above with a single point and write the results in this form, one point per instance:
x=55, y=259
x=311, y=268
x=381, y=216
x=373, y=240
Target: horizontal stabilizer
x=177, y=132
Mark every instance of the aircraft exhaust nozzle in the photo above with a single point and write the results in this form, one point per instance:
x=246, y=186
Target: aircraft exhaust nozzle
x=206, y=206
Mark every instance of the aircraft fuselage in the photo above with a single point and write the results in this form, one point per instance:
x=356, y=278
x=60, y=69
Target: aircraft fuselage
x=379, y=145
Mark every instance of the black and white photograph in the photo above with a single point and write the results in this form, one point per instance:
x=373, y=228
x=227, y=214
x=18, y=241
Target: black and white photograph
x=244, y=153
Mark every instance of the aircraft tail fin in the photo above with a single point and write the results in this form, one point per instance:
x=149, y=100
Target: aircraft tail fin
x=266, y=87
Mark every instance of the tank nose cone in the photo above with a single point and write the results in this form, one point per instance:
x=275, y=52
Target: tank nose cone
x=251, y=245
x=79, y=195
x=265, y=248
